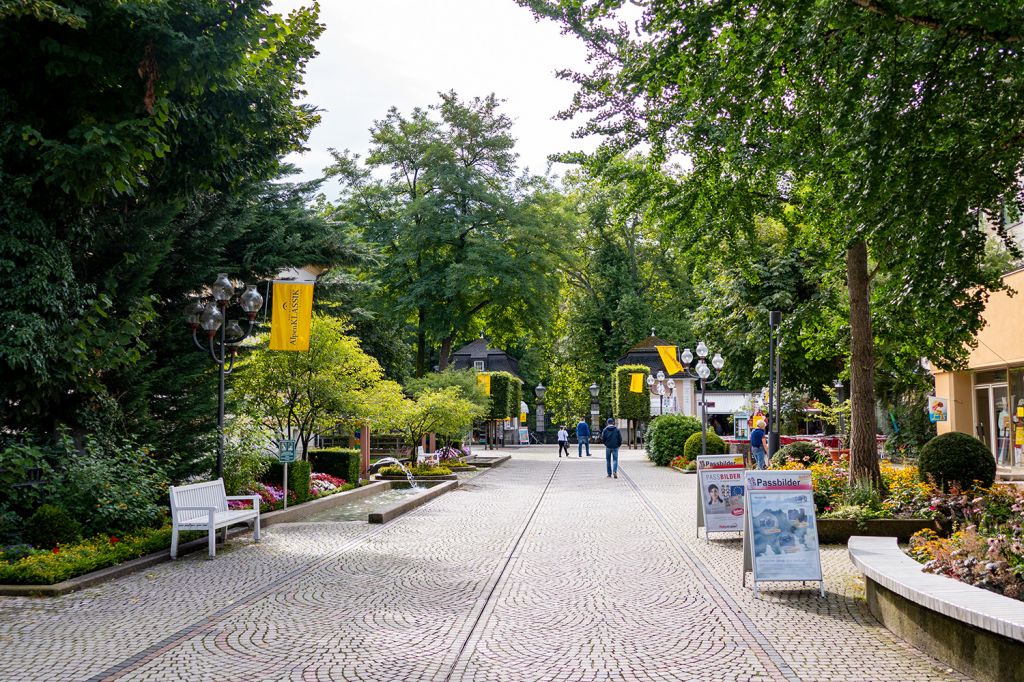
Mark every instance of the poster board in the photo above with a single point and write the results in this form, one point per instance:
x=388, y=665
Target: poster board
x=938, y=409
x=781, y=538
x=524, y=435
x=720, y=499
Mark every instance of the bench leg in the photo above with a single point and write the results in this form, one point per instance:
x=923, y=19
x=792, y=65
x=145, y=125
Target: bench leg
x=174, y=543
x=256, y=530
x=224, y=535
x=212, y=541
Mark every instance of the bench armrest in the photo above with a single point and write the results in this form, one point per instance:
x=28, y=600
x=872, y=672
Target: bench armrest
x=255, y=499
x=210, y=511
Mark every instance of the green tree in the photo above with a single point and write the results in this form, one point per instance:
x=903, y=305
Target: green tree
x=296, y=395
x=444, y=412
x=452, y=222
x=894, y=128
x=464, y=380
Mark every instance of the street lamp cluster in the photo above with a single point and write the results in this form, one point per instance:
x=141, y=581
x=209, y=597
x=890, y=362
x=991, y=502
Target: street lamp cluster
x=703, y=372
x=662, y=387
x=213, y=318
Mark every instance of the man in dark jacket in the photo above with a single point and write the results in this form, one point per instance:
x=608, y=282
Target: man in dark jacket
x=583, y=436
x=612, y=439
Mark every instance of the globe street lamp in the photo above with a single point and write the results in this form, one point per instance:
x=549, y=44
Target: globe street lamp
x=662, y=387
x=539, y=391
x=223, y=336
x=703, y=372
x=595, y=410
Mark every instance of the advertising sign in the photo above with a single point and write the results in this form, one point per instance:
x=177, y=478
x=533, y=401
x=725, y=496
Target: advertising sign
x=938, y=410
x=292, y=316
x=524, y=435
x=720, y=489
x=781, y=542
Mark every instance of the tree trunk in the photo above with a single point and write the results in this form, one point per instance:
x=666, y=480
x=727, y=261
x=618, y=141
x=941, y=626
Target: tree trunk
x=446, y=351
x=863, y=445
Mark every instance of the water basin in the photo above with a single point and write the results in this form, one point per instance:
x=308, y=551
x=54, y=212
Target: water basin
x=358, y=510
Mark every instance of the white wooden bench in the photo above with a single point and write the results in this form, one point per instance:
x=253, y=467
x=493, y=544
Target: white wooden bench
x=204, y=506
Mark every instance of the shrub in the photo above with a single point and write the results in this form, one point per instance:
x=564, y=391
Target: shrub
x=666, y=437
x=716, y=446
x=114, y=489
x=245, y=456
x=341, y=462
x=299, y=473
x=801, y=451
x=10, y=527
x=50, y=526
x=421, y=470
x=957, y=458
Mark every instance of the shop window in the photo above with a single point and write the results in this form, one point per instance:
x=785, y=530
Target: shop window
x=992, y=376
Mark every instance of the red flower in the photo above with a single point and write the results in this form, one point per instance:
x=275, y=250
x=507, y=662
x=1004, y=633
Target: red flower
x=114, y=539
x=56, y=550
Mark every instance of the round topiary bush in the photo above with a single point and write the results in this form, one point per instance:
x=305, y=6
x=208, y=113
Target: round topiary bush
x=716, y=446
x=666, y=437
x=800, y=451
x=50, y=526
x=956, y=458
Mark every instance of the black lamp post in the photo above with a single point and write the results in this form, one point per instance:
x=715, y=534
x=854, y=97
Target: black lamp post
x=703, y=372
x=213, y=318
x=595, y=410
x=539, y=391
x=839, y=400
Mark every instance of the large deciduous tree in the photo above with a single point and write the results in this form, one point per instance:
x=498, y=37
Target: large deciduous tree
x=452, y=222
x=897, y=126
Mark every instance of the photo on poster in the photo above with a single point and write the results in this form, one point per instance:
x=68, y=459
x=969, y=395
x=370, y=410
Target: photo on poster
x=784, y=536
x=722, y=496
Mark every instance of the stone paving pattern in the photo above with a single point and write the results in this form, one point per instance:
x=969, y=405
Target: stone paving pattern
x=542, y=569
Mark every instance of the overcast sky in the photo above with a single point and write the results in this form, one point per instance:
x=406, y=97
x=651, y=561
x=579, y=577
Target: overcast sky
x=379, y=53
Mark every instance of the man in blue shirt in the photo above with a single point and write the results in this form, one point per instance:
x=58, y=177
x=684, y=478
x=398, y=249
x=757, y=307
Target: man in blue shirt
x=757, y=444
x=612, y=439
x=583, y=436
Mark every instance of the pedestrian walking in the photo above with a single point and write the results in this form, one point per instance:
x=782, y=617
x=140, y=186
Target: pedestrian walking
x=583, y=436
x=612, y=439
x=563, y=441
x=757, y=445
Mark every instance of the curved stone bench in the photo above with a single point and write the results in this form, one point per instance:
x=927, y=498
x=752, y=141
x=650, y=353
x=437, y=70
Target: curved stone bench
x=973, y=630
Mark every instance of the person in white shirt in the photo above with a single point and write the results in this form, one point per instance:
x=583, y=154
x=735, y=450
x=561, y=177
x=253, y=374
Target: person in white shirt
x=563, y=441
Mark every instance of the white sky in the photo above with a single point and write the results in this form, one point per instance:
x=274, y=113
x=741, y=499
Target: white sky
x=379, y=53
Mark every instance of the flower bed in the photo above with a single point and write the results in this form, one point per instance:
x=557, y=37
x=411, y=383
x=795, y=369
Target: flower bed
x=682, y=464
x=272, y=496
x=987, y=549
x=22, y=565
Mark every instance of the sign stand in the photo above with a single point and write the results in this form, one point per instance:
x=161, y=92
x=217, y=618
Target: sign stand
x=286, y=454
x=723, y=512
x=780, y=542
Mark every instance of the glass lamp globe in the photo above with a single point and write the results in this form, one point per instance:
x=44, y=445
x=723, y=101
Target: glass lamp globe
x=702, y=350
x=211, y=318
x=718, y=362
x=650, y=380
x=671, y=384
x=594, y=389
x=540, y=391
x=233, y=332
x=251, y=301
x=661, y=375
x=222, y=289
x=687, y=357
x=193, y=311
x=702, y=370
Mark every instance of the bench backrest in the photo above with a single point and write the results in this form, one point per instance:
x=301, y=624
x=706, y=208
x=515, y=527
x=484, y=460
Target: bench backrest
x=206, y=494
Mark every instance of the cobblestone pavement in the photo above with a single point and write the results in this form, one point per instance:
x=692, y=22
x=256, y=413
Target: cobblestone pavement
x=542, y=569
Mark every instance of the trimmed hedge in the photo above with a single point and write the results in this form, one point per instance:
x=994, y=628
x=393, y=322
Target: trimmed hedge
x=506, y=394
x=666, y=437
x=716, y=446
x=956, y=458
x=341, y=462
x=625, y=403
x=299, y=473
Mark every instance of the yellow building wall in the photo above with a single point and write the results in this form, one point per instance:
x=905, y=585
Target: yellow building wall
x=1001, y=340
x=1000, y=344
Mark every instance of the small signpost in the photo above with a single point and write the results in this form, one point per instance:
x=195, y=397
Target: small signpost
x=720, y=499
x=286, y=454
x=524, y=435
x=781, y=538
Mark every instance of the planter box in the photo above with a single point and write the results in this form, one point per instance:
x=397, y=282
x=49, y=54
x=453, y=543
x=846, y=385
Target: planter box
x=840, y=530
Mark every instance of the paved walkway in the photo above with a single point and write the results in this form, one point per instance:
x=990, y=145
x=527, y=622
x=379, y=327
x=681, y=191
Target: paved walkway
x=542, y=569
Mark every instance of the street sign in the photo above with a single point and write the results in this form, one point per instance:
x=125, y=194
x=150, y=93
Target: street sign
x=286, y=451
x=710, y=403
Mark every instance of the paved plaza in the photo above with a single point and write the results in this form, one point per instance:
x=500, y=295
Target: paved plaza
x=541, y=569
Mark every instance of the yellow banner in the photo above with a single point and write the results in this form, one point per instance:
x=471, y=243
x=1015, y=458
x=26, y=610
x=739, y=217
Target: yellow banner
x=636, y=382
x=522, y=417
x=485, y=382
x=293, y=314
x=668, y=358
